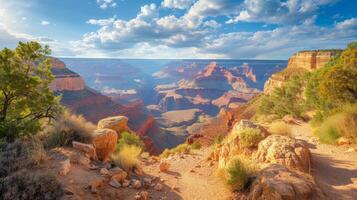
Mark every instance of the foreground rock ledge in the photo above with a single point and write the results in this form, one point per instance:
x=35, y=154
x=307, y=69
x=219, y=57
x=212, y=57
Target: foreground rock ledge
x=277, y=182
x=284, y=150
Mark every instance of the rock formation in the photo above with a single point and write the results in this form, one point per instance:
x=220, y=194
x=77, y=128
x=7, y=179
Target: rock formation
x=284, y=150
x=105, y=141
x=298, y=63
x=278, y=182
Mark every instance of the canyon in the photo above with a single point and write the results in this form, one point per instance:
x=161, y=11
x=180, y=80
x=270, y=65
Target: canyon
x=165, y=100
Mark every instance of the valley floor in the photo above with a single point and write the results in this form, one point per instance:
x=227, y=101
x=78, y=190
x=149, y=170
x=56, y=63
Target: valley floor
x=333, y=167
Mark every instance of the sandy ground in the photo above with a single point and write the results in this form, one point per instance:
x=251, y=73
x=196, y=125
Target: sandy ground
x=334, y=169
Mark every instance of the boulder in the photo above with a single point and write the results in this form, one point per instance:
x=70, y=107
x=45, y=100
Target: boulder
x=276, y=182
x=118, y=123
x=136, y=184
x=95, y=184
x=105, y=141
x=65, y=167
x=119, y=176
x=158, y=187
x=243, y=124
x=164, y=166
x=86, y=148
x=284, y=150
x=114, y=183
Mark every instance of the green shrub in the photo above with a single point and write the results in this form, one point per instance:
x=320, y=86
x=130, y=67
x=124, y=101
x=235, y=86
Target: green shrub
x=342, y=123
x=279, y=128
x=127, y=138
x=250, y=137
x=237, y=174
x=196, y=145
x=67, y=128
x=285, y=100
x=26, y=184
x=127, y=157
x=182, y=148
x=218, y=139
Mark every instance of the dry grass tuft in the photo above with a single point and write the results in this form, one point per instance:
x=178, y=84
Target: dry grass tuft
x=279, y=128
x=68, y=128
x=127, y=157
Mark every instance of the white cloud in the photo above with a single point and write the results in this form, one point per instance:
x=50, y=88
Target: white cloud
x=101, y=22
x=178, y=4
x=104, y=4
x=212, y=23
x=278, y=11
x=348, y=24
x=45, y=23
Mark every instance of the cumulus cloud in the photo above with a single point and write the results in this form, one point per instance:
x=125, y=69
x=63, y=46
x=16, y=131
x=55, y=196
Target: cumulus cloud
x=104, y=4
x=278, y=11
x=196, y=33
x=45, y=23
x=178, y=4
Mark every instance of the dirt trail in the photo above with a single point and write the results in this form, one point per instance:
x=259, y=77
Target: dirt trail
x=193, y=178
x=334, y=168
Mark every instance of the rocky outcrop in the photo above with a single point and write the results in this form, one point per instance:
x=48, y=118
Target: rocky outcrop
x=70, y=82
x=299, y=63
x=117, y=123
x=276, y=182
x=231, y=146
x=286, y=151
x=105, y=141
x=310, y=60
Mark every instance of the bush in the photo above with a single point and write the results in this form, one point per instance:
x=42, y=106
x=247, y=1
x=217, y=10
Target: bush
x=26, y=184
x=285, y=100
x=218, y=139
x=196, y=145
x=127, y=138
x=19, y=155
x=127, y=157
x=237, y=174
x=67, y=128
x=250, y=137
x=279, y=128
x=342, y=123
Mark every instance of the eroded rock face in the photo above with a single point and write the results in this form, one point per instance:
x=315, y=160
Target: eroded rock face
x=118, y=124
x=105, y=141
x=231, y=146
x=284, y=150
x=276, y=182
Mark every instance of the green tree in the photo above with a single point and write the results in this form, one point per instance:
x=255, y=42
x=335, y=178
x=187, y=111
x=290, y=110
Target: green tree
x=25, y=96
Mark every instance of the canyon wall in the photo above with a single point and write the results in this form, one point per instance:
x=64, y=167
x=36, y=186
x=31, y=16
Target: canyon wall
x=300, y=62
x=310, y=60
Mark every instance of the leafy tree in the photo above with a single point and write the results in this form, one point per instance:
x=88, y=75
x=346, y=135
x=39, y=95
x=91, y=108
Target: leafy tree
x=335, y=84
x=25, y=96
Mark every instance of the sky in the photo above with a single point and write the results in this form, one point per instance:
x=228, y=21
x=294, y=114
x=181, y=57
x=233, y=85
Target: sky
x=181, y=29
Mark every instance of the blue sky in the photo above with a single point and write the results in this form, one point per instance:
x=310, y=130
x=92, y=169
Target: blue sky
x=255, y=29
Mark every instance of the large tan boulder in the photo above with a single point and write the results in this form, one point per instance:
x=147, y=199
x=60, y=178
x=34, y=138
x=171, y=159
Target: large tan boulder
x=276, y=182
x=243, y=124
x=105, y=141
x=118, y=123
x=284, y=150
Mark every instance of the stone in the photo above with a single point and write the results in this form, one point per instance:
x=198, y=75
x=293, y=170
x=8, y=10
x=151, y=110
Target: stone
x=95, y=184
x=114, y=183
x=120, y=176
x=118, y=124
x=104, y=171
x=243, y=124
x=86, y=148
x=126, y=183
x=105, y=141
x=158, y=187
x=138, y=170
x=136, y=183
x=289, y=119
x=343, y=141
x=147, y=180
x=65, y=167
x=144, y=195
x=276, y=182
x=284, y=150
x=164, y=166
